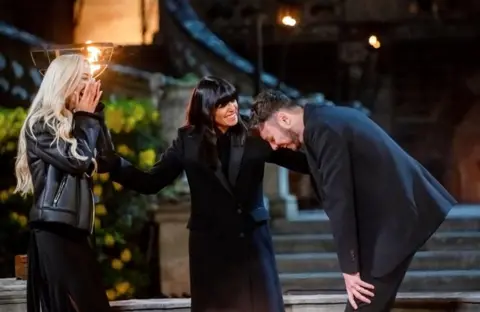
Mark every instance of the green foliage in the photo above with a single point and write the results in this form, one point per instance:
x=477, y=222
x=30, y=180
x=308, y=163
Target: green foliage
x=120, y=214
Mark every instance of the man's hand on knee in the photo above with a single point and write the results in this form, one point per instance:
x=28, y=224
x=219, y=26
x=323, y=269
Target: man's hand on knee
x=356, y=288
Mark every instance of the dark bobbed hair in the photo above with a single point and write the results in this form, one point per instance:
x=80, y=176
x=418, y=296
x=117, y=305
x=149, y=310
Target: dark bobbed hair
x=210, y=94
x=266, y=103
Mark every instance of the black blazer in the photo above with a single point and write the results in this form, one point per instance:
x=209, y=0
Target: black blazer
x=217, y=205
x=383, y=205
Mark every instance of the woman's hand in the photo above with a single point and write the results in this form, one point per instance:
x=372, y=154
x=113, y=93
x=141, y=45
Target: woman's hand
x=88, y=100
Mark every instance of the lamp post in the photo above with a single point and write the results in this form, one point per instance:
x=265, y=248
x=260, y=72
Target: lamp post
x=287, y=16
x=259, y=17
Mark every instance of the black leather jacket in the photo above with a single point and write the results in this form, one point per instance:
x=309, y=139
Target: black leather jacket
x=63, y=184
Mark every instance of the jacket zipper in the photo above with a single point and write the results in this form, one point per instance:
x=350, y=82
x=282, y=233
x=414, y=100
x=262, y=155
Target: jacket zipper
x=92, y=223
x=59, y=191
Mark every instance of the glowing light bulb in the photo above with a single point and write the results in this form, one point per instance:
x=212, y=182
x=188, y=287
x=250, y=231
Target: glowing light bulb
x=374, y=42
x=289, y=21
x=93, y=56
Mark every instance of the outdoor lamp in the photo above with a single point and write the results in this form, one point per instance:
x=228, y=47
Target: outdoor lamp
x=288, y=15
x=97, y=54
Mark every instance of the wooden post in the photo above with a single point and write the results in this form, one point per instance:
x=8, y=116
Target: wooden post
x=21, y=267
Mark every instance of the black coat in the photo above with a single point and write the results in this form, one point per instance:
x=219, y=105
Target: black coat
x=383, y=205
x=232, y=263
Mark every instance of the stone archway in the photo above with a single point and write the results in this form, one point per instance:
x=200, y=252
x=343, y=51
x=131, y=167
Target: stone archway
x=464, y=176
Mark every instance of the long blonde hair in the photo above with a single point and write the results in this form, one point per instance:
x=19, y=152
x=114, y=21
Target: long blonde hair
x=49, y=107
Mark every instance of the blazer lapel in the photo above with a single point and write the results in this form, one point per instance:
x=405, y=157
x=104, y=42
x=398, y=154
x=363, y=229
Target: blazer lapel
x=222, y=178
x=193, y=151
x=236, y=154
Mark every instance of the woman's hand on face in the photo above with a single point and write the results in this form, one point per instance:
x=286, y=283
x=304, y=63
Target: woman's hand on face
x=90, y=97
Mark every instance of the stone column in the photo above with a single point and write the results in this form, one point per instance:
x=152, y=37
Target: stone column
x=173, y=248
x=281, y=203
x=171, y=97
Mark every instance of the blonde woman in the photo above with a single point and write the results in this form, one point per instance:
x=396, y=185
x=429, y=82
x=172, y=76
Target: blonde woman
x=56, y=158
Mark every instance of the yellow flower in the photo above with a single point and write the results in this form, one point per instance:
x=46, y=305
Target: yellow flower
x=155, y=116
x=126, y=255
x=122, y=287
x=129, y=124
x=14, y=216
x=4, y=196
x=104, y=177
x=114, y=119
x=111, y=294
x=100, y=210
x=117, y=186
x=109, y=240
x=97, y=190
x=117, y=264
x=22, y=220
x=124, y=150
x=147, y=158
x=98, y=223
x=95, y=177
x=138, y=112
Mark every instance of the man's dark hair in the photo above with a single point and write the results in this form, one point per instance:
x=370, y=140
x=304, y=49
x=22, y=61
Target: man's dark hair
x=266, y=103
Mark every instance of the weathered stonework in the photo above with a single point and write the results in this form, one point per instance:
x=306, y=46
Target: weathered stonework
x=173, y=248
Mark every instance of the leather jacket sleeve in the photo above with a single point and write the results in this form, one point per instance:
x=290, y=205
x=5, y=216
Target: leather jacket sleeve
x=86, y=129
x=106, y=157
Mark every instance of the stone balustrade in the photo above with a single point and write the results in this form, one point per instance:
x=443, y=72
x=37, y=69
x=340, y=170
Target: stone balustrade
x=12, y=299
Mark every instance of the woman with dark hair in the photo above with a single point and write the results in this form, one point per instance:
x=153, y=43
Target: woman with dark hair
x=232, y=262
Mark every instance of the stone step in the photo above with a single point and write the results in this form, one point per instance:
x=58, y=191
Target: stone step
x=317, y=243
x=405, y=302
x=13, y=299
x=461, y=218
x=423, y=260
x=415, y=281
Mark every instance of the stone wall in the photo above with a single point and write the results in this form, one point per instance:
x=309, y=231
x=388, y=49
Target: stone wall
x=117, y=21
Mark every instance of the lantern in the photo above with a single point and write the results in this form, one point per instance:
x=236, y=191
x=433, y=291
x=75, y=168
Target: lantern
x=98, y=55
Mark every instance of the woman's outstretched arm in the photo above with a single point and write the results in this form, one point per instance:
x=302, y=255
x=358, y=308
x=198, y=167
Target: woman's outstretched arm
x=151, y=181
x=292, y=160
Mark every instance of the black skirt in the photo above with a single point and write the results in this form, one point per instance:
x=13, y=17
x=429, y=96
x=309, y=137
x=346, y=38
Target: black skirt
x=63, y=274
x=234, y=274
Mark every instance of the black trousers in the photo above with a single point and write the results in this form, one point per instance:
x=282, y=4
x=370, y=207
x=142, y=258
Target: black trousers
x=63, y=273
x=386, y=288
